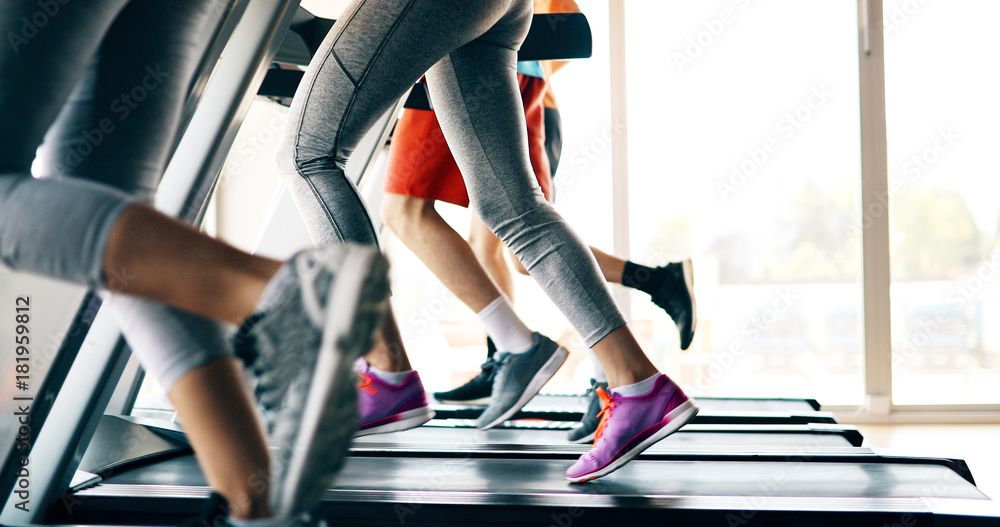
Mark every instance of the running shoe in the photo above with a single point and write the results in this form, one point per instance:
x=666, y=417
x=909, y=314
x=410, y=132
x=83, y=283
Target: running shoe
x=676, y=297
x=630, y=425
x=588, y=425
x=519, y=377
x=386, y=407
x=316, y=317
x=476, y=391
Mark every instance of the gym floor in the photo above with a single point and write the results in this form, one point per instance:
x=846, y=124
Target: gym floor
x=976, y=444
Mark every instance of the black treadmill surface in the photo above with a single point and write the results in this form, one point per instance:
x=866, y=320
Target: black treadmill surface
x=460, y=480
x=432, y=437
x=713, y=410
x=571, y=403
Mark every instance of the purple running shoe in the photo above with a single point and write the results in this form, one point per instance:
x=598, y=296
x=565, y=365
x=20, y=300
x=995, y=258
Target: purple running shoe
x=386, y=407
x=630, y=425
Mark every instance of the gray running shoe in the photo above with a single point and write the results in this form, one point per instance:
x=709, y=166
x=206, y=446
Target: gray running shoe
x=588, y=424
x=519, y=376
x=316, y=317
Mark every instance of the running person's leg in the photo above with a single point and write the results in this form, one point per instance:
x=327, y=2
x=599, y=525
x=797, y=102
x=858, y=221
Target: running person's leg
x=181, y=351
x=371, y=57
x=90, y=234
x=489, y=143
x=366, y=63
x=419, y=226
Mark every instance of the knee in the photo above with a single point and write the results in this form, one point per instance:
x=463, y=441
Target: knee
x=405, y=214
x=507, y=218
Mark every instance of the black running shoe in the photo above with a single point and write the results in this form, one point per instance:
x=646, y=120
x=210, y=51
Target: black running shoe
x=588, y=425
x=475, y=392
x=676, y=297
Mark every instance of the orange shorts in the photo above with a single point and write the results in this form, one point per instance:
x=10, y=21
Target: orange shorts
x=421, y=165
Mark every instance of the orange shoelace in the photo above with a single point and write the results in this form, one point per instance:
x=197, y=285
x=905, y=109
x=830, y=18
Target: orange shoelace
x=365, y=383
x=605, y=413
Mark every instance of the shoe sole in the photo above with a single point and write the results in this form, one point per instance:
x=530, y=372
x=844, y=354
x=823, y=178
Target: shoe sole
x=585, y=439
x=407, y=420
x=678, y=417
x=356, y=306
x=546, y=372
x=688, y=268
x=485, y=401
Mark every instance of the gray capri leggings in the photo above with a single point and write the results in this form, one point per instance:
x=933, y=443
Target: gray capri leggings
x=104, y=82
x=468, y=48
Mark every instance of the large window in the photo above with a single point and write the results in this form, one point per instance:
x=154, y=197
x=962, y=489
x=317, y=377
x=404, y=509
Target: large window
x=443, y=337
x=942, y=80
x=744, y=155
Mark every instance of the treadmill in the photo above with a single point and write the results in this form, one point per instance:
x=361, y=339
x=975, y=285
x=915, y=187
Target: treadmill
x=448, y=473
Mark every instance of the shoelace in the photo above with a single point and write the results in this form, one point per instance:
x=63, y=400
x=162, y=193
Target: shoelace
x=489, y=368
x=606, y=405
x=365, y=383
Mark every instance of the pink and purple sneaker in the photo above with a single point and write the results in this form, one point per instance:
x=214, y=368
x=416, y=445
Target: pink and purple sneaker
x=385, y=407
x=630, y=425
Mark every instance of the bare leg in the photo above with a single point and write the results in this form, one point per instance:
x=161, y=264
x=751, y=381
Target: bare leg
x=447, y=254
x=611, y=266
x=489, y=251
x=622, y=358
x=219, y=418
x=153, y=256
x=388, y=354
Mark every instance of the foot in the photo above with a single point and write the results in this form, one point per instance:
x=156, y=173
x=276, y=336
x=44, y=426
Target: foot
x=588, y=425
x=676, y=297
x=386, y=407
x=630, y=425
x=476, y=391
x=519, y=377
x=318, y=315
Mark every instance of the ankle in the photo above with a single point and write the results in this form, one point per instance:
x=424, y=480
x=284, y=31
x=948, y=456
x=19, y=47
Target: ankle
x=247, y=506
x=392, y=377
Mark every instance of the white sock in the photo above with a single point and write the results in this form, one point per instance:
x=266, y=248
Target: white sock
x=599, y=374
x=505, y=328
x=637, y=389
x=391, y=377
x=273, y=521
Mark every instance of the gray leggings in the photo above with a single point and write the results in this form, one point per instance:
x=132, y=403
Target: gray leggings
x=104, y=82
x=468, y=49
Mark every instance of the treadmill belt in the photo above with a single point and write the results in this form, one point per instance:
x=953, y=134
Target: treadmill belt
x=511, y=478
x=436, y=437
x=463, y=490
x=713, y=404
x=713, y=410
